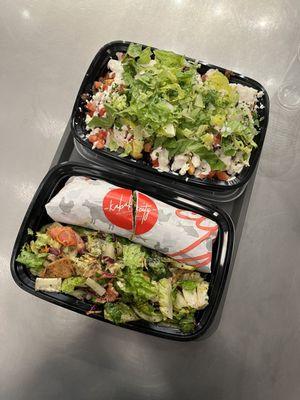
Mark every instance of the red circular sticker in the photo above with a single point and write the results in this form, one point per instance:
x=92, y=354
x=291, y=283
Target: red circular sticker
x=117, y=207
x=146, y=214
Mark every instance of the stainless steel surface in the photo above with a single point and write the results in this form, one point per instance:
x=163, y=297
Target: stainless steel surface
x=48, y=352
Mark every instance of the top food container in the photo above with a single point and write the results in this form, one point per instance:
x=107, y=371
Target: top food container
x=226, y=191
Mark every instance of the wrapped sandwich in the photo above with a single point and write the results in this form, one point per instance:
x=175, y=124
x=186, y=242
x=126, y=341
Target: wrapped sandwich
x=183, y=235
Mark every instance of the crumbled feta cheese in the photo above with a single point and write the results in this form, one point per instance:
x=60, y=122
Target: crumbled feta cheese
x=203, y=169
x=199, y=79
x=247, y=94
x=98, y=96
x=120, y=136
x=120, y=55
x=181, y=163
x=162, y=155
x=235, y=168
x=196, y=161
x=116, y=67
x=87, y=120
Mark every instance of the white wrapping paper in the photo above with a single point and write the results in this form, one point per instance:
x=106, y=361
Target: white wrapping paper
x=94, y=204
x=183, y=235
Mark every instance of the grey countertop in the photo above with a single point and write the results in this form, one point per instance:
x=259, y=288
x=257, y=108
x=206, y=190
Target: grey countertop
x=48, y=352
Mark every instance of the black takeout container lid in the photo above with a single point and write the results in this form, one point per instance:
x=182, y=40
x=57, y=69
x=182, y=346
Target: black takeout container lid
x=98, y=68
x=36, y=217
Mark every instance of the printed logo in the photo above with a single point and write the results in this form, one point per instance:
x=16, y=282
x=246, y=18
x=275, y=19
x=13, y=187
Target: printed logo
x=146, y=214
x=117, y=207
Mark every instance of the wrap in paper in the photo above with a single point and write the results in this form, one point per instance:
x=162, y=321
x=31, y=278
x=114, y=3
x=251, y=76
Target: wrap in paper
x=183, y=235
x=94, y=204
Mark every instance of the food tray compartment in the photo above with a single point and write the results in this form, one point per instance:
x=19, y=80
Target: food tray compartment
x=98, y=68
x=36, y=217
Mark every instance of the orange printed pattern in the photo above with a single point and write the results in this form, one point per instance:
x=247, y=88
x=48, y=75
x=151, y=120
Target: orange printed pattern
x=209, y=231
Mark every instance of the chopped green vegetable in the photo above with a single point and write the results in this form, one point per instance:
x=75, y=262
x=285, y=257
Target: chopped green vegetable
x=32, y=260
x=129, y=281
x=69, y=284
x=147, y=312
x=186, y=320
x=133, y=255
x=157, y=266
x=159, y=98
x=119, y=313
x=165, y=297
x=139, y=285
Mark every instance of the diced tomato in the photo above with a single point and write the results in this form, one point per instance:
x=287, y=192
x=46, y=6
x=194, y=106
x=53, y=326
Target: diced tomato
x=101, y=112
x=93, y=138
x=155, y=163
x=90, y=106
x=100, y=144
x=104, y=87
x=222, y=176
x=97, y=85
x=102, y=135
x=211, y=174
x=64, y=235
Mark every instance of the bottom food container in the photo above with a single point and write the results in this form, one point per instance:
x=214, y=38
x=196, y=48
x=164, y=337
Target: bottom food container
x=36, y=217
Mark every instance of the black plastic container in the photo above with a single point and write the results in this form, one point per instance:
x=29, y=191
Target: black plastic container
x=36, y=217
x=98, y=68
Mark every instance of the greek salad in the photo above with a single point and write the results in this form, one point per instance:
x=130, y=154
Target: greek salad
x=124, y=281
x=156, y=106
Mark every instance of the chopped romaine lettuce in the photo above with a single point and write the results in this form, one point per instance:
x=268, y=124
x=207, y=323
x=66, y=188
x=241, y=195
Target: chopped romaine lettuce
x=147, y=312
x=69, y=284
x=133, y=256
x=32, y=260
x=165, y=297
x=119, y=313
x=163, y=95
x=157, y=266
x=186, y=320
x=132, y=282
x=139, y=285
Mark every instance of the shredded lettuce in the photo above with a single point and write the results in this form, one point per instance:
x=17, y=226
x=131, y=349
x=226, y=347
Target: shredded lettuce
x=139, y=285
x=69, y=284
x=147, y=312
x=32, y=260
x=157, y=266
x=165, y=297
x=135, y=283
x=133, y=255
x=186, y=320
x=119, y=313
x=166, y=99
